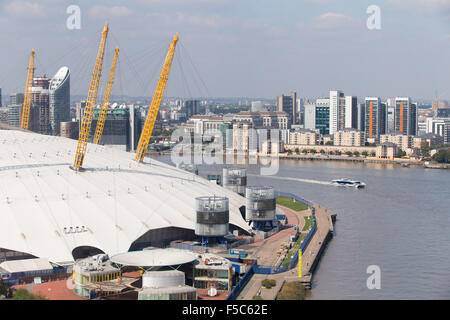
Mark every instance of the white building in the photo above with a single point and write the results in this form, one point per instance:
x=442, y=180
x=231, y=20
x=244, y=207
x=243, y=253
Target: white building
x=349, y=137
x=116, y=205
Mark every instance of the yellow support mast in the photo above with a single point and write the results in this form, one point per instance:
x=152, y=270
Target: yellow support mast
x=156, y=102
x=26, y=108
x=106, y=98
x=90, y=103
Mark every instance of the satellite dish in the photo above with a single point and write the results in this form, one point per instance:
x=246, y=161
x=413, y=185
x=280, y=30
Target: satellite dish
x=212, y=292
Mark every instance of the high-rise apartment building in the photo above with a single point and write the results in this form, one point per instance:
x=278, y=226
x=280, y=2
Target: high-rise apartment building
x=343, y=111
x=40, y=107
x=192, y=108
x=375, y=118
x=351, y=113
x=361, y=124
x=288, y=104
x=337, y=111
x=59, y=92
x=405, y=116
x=16, y=98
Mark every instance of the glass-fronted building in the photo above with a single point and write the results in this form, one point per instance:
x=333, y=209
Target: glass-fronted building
x=59, y=91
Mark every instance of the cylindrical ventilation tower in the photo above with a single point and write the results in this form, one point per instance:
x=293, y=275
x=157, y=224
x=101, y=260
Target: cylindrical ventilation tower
x=212, y=216
x=235, y=179
x=261, y=205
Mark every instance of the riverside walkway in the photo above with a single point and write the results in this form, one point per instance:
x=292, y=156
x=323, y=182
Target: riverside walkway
x=310, y=258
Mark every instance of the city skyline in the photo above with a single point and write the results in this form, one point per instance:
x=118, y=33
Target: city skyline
x=259, y=51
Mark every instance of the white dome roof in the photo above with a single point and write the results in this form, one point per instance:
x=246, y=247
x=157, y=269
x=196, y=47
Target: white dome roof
x=47, y=209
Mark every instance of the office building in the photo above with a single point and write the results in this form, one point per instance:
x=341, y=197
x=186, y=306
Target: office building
x=14, y=114
x=317, y=116
x=59, y=90
x=288, y=104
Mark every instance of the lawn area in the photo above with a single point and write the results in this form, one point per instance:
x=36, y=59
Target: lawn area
x=294, y=249
x=291, y=204
x=292, y=291
x=308, y=223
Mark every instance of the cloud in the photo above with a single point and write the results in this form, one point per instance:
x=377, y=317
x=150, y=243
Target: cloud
x=109, y=12
x=24, y=9
x=331, y=20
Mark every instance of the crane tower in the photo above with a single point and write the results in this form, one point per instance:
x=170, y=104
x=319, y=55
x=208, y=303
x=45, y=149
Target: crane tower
x=156, y=102
x=26, y=109
x=90, y=103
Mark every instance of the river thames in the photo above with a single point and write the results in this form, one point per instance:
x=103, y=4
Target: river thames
x=399, y=222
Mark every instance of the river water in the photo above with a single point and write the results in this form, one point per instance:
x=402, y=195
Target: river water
x=400, y=222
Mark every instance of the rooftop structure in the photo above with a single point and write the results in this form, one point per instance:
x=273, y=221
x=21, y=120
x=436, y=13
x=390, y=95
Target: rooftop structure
x=153, y=258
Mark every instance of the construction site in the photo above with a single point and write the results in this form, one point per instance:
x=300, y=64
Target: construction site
x=81, y=220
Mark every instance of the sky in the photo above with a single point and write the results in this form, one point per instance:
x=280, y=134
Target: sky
x=236, y=48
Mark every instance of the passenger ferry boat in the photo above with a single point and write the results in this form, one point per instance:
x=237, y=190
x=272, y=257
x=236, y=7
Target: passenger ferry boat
x=345, y=182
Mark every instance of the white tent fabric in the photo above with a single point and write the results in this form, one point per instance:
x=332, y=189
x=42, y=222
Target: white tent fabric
x=47, y=209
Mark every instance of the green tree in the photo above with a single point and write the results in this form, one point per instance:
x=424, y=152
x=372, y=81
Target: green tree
x=349, y=153
x=401, y=153
x=442, y=156
x=356, y=154
x=269, y=283
x=297, y=150
x=322, y=151
x=305, y=151
x=331, y=152
x=365, y=153
x=373, y=154
x=5, y=290
x=313, y=151
x=425, y=149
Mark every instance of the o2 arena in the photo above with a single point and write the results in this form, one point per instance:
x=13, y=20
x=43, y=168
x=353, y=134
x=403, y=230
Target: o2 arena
x=115, y=205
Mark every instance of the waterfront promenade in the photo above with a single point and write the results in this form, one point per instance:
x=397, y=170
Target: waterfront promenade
x=311, y=256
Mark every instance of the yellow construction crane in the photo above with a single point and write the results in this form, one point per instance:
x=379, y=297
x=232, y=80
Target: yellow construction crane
x=156, y=102
x=26, y=109
x=90, y=103
x=106, y=99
